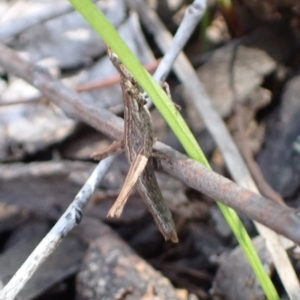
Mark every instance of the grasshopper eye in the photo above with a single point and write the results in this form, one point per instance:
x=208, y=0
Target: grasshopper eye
x=145, y=98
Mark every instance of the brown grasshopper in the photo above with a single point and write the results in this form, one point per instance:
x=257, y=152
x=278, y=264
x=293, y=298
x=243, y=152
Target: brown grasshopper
x=138, y=143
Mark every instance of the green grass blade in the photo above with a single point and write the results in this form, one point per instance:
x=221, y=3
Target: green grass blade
x=111, y=37
x=166, y=107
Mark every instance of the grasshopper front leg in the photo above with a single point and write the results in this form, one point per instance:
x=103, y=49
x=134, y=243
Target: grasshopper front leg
x=115, y=148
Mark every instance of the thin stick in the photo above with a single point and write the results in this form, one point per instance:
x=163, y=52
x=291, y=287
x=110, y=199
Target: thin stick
x=193, y=15
x=85, y=87
x=64, y=225
x=89, y=86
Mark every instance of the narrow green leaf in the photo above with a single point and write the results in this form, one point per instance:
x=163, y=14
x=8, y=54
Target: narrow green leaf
x=166, y=107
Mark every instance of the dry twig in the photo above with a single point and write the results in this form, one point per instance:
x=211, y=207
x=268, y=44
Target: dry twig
x=64, y=225
x=192, y=17
x=86, y=87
